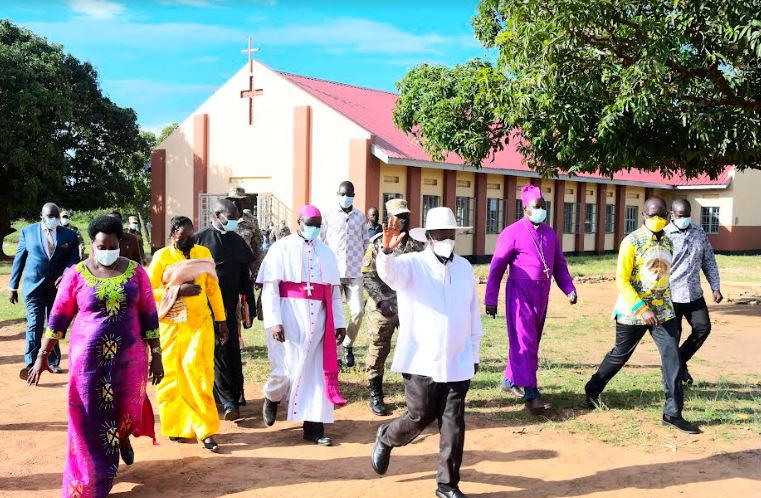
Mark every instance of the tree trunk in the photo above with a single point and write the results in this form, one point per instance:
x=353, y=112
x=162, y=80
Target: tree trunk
x=5, y=230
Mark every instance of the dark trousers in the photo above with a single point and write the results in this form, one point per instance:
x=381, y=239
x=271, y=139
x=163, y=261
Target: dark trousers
x=228, y=368
x=428, y=401
x=37, y=312
x=314, y=429
x=696, y=313
x=666, y=337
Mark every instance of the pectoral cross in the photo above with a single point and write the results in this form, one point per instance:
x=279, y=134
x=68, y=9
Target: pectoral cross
x=309, y=288
x=546, y=272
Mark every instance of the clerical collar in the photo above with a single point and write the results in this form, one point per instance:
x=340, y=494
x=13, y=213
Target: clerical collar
x=218, y=229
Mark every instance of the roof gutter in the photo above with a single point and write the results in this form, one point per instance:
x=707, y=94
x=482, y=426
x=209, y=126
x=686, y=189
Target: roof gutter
x=395, y=161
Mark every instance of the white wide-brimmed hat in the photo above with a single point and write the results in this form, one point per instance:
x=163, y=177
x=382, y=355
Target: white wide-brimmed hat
x=440, y=218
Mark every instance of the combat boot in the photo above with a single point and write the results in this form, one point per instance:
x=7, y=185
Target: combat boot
x=376, y=397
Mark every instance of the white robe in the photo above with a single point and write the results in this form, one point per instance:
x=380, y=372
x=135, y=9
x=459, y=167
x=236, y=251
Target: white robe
x=296, y=364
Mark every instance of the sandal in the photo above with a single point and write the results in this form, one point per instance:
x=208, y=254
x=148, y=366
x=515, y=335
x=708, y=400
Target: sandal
x=210, y=444
x=127, y=453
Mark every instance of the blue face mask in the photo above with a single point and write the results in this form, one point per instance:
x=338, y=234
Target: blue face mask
x=682, y=223
x=345, y=201
x=538, y=215
x=309, y=232
x=230, y=226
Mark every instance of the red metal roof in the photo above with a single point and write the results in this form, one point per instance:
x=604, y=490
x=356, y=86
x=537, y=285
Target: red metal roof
x=373, y=109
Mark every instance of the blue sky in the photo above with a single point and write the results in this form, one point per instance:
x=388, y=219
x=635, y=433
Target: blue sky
x=165, y=57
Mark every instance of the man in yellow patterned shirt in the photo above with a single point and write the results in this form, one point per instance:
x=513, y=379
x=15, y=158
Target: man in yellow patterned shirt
x=644, y=304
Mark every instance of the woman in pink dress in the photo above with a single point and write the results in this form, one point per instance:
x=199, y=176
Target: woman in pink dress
x=110, y=301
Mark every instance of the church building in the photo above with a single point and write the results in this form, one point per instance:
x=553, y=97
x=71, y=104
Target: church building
x=288, y=140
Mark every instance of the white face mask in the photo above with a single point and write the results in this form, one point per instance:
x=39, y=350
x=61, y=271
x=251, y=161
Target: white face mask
x=106, y=257
x=52, y=222
x=345, y=201
x=682, y=223
x=443, y=248
x=134, y=226
x=65, y=222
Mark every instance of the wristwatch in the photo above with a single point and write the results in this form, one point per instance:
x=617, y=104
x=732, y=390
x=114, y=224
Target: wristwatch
x=156, y=350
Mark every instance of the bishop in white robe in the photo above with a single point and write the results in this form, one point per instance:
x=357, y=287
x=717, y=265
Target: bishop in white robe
x=304, y=319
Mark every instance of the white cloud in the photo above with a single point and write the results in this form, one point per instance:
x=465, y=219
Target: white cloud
x=335, y=35
x=97, y=9
x=350, y=34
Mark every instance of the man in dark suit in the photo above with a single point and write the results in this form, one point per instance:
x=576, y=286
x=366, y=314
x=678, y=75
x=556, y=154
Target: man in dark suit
x=45, y=250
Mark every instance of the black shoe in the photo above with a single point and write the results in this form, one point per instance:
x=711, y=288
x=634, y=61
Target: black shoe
x=376, y=397
x=681, y=424
x=232, y=414
x=56, y=369
x=318, y=440
x=269, y=412
x=592, y=400
x=452, y=493
x=242, y=400
x=686, y=377
x=128, y=454
x=210, y=444
x=349, y=356
x=381, y=455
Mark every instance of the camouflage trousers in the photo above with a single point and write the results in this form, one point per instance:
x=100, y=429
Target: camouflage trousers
x=380, y=329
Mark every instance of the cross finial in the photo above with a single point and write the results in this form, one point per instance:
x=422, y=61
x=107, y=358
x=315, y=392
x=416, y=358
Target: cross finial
x=249, y=51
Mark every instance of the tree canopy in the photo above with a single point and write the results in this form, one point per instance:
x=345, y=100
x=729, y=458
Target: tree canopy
x=599, y=86
x=63, y=140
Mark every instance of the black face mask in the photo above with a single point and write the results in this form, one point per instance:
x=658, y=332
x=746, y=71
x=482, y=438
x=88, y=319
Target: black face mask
x=185, y=245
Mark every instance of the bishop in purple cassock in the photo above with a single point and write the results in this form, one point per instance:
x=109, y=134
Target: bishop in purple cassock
x=535, y=256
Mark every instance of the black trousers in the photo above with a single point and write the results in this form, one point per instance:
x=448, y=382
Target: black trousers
x=428, y=401
x=696, y=313
x=315, y=429
x=666, y=337
x=228, y=368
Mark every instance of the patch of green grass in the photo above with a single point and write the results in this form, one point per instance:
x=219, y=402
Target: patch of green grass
x=572, y=348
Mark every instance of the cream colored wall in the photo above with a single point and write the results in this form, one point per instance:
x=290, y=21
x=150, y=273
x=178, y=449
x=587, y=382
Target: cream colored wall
x=436, y=176
x=179, y=173
x=722, y=199
x=464, y=242
x=569, y=239
x=744, y=190
x=494, y=186
x=260, y=156
x=590, y=197
x=548, y=192
x=392, y=172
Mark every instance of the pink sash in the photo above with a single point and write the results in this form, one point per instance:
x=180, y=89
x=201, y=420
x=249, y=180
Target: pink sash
x=324, y=293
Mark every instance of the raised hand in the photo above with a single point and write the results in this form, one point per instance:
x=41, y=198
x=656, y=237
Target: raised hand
x=392, y=234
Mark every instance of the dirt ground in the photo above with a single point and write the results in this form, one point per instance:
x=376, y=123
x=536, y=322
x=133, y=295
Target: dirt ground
x=500, y=461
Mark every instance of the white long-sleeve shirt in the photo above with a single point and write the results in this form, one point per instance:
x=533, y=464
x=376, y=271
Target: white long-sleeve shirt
x=439, y=320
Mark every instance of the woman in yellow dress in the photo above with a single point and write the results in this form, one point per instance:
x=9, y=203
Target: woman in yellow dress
x=185, y=283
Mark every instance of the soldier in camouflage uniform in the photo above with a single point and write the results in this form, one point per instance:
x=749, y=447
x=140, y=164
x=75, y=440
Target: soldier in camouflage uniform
x=248, y=228
x=382, y=315
x=280, y=232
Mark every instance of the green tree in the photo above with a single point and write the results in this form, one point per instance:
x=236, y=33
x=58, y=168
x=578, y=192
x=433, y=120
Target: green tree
x=166, y=132
x=63, y=140
x=599, y=85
